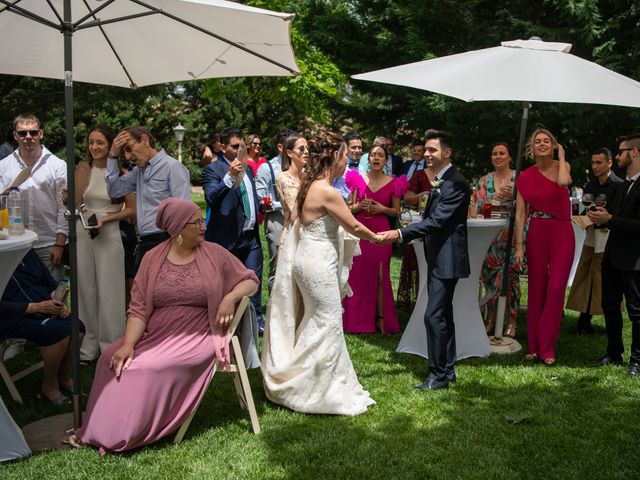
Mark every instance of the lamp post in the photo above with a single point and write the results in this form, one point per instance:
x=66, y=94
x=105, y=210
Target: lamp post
x=179, y=132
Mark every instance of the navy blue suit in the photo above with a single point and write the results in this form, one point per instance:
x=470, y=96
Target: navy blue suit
x=444, y=230
x=226, y=221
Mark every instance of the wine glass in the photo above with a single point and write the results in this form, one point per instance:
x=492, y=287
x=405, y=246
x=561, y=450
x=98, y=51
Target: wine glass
x=587, y=200
x=404, y=216
x=601, y=200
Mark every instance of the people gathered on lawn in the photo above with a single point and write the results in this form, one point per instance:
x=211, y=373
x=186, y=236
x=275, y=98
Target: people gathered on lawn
x=330, y=219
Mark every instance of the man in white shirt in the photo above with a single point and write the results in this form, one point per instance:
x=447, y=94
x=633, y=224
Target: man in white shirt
x=43, y=177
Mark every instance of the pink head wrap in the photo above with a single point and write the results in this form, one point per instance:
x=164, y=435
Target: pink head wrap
x=174, y=213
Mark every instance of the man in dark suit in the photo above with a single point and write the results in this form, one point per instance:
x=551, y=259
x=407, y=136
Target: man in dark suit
x=230, y=192
x=444, y=229
x=621, y=259
x=417, y=161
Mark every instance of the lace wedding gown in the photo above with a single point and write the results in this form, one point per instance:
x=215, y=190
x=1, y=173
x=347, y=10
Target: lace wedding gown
x=305, y=363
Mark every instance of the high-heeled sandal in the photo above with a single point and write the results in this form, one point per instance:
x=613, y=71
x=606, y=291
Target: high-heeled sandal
x=549, y=362
x=531, y=357
x=510, y=331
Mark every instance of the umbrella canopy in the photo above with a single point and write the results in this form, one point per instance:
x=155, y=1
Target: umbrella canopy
x=133, y=43
x=520, y=70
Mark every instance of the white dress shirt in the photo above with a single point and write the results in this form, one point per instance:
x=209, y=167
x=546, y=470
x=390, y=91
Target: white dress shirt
x=265, y=185
x=43, y=190
x=229, y=181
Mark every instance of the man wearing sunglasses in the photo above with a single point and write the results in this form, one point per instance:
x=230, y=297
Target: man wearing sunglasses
x=41, y=178
x=155, y=177
x=230, y=192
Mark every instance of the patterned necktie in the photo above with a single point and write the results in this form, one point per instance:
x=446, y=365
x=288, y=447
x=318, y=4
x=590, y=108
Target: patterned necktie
x=245, y=200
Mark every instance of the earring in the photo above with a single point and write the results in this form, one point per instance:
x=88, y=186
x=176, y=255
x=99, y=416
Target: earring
x=179, y=239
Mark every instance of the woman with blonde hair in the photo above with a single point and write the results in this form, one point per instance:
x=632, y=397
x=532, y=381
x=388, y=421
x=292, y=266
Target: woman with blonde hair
x=543, y=200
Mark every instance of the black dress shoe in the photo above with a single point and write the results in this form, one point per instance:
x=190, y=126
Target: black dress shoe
x=452, y=377
x=607, y=360
x=432, y=384
x=634, y=370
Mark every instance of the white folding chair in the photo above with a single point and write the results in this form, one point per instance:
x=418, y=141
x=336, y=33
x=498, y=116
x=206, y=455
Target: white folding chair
x=240, y=378
x=10, y=379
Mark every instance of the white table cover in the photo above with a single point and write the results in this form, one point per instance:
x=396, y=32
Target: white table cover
x=12, y=250
x=471, y=338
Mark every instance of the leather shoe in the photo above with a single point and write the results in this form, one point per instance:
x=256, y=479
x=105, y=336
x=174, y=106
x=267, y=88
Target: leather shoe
x=451, y=377
x=607, y=360
x=432, y=384
x=634, y=370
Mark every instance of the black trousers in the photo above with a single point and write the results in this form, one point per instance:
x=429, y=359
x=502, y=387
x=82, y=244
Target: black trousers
x=441, y=334
x=146, y=243
x=616, y=284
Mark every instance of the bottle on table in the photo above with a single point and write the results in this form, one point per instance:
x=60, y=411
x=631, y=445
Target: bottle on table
x=16, y=226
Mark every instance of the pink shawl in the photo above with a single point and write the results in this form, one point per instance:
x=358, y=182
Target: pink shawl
x=220, y=272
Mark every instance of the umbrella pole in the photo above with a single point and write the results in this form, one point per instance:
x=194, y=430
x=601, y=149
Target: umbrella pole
x=73, y=257
x=499, y=344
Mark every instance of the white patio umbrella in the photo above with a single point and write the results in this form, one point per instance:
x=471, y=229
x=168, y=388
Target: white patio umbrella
x=133, y=43
x=520, y=70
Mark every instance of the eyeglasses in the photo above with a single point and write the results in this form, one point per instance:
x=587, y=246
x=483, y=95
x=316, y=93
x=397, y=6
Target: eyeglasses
x=199, y=222
x=24, y=133
x=129, y=148
x=235, y=146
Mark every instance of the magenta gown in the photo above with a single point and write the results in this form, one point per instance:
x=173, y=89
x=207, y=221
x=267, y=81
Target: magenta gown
x=360, y=310
x=550, y=248
x=168, y=374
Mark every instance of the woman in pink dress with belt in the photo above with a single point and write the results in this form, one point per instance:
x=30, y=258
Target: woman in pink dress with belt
x=543, y=198
x=376, y=200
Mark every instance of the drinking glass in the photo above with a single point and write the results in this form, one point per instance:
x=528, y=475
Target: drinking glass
x=587, y=200
x=601, y=200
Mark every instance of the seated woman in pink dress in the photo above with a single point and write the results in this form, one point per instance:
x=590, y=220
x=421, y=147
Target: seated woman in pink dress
x=184, y=296
x=376, y=200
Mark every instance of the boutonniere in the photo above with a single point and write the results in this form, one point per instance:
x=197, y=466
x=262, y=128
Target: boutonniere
x=437, y=183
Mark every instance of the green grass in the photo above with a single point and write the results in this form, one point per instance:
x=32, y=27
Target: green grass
x=503, y=419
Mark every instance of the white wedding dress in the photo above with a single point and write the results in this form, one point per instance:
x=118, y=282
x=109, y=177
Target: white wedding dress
x=305, y=363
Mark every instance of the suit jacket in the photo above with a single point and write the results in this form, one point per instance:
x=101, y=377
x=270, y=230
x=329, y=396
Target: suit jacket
x=624, y=228
x=397, y=165
x=444, y=228
x=406, y=166
x=226, y=217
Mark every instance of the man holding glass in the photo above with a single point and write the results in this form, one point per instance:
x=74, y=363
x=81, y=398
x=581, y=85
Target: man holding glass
x=621, y=258
x=586, y=292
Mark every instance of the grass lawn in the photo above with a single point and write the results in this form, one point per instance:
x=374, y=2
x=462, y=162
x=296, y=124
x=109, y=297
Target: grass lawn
x=503, y=419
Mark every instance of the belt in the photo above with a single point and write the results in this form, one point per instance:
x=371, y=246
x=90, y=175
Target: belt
x=155, y=236
x=538, y=214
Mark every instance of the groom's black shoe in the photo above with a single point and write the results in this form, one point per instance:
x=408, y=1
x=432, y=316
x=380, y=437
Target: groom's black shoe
x=607, y=360
x=451, y=376
x=432, y=384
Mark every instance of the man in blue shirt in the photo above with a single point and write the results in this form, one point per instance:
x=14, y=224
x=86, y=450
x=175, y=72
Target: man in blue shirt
x=155, y=177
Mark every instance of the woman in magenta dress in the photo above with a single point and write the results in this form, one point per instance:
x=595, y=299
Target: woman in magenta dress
x=543, y=198
x=376, y=199
x=184, y=295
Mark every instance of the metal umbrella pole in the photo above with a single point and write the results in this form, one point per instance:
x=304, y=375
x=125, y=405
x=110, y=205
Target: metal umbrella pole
x=500, y=344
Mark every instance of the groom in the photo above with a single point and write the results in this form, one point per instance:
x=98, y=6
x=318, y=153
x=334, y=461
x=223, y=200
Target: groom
x=444, y=229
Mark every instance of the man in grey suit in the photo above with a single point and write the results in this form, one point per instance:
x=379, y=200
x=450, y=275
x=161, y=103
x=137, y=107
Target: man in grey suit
x=444, y=230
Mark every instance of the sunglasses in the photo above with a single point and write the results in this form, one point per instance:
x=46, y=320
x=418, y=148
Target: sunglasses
x=198, y=222
x=24, y=133
x=256, y=144
x=235, y=146
x=302, y=149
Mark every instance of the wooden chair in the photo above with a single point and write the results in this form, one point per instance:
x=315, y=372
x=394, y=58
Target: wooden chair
x=10, y=379
x=240, y=378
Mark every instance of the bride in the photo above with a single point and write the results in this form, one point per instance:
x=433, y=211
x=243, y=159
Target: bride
x=305, y=363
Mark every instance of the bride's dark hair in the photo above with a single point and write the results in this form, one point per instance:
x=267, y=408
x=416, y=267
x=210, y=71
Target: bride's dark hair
x=325, y=150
